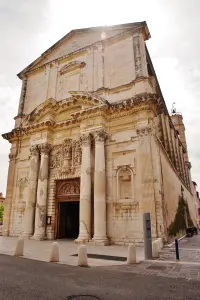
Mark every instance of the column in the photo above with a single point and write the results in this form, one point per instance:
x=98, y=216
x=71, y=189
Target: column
x=100, y=236
x=29, y=214
x=41, y=205
x=85, y=191
x=9, y=192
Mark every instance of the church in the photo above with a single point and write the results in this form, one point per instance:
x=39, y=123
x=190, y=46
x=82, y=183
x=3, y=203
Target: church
x=94, y=146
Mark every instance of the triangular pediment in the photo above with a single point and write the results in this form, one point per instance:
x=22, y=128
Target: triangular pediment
x=79, y=39
x=56, y=111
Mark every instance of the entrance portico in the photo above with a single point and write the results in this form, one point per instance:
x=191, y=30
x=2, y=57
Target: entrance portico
x=73, y=161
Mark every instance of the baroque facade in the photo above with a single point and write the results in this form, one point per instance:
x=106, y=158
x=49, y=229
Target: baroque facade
x=94, y=146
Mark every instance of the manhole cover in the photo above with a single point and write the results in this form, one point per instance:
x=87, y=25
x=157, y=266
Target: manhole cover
x=157, y=268
x=83, y=297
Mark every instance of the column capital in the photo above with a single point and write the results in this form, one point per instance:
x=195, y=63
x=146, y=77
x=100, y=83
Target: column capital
x=100, y=136
x=145, y=130
x=188, y=164
x=86, y=139
x=34, y=151
x=45, y=148
x=12, y=156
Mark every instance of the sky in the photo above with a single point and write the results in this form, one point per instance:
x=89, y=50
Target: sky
x=29, y=27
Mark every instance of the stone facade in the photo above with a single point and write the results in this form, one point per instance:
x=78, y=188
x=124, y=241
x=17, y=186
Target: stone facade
x=93, y=133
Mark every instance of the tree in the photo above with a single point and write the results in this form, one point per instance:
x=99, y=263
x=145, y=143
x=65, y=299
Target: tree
x=1, y=212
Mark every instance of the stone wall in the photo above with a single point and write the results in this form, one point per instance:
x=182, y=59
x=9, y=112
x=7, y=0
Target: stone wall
x=172, y=191
x=102, y=67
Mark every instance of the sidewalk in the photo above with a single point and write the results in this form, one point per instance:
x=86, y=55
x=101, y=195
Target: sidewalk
x=189, y=250
x=40, y=250
x=164, y=269
x=165, y=265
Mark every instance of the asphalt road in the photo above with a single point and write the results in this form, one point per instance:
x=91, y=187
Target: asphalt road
x=28, y=279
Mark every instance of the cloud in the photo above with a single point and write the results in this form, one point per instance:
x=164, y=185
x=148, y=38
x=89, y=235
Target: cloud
x=20, y=25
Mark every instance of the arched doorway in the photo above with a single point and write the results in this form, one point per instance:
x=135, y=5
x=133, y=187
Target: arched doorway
x=67, y=212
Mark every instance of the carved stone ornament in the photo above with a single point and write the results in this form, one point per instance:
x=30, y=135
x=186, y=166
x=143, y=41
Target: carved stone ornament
x=67, y=149
x=145, y=130
x=70, y=187
x=137, y=56
x=12, y=156
x=100, y=136
x=55, y=158
x=45, y=148
x=86, y=139
x=77, y=153
x=66, y=158
x=34, y=151
x=188, y=164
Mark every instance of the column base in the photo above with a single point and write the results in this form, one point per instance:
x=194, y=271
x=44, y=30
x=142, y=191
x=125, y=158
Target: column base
x=83, y=239
x=5, y=233
x=100, y=241
x=38, y=237
x=26, y=235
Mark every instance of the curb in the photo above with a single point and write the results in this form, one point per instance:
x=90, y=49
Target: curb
x=172, y=262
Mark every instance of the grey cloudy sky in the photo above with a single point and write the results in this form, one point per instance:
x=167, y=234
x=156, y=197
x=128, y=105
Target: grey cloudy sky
x=29, y=27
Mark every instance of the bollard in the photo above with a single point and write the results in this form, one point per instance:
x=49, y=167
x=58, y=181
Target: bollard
x=54, y=256
x=19, y=250
x=161, y=243
x=147, y=236
x=177, y=250
x=131, y=257
x=155, y=249
x=82, y=256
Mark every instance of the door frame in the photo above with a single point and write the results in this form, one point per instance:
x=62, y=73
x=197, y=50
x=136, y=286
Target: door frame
x=65, y=197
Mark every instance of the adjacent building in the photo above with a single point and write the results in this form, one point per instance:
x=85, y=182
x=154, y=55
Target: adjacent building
x=93, y=145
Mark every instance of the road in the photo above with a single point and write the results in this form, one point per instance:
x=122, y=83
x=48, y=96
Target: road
x=29, y=279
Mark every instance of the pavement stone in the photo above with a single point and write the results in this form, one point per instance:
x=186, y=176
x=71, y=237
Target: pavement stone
x=40, y=250
x=165, y=266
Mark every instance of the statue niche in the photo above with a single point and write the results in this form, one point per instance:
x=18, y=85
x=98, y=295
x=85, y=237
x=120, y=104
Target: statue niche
x=125, y=183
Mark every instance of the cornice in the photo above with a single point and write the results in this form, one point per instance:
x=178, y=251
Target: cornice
x=109, y=111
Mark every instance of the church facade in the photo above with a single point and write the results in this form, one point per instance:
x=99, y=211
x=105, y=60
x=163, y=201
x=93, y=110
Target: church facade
x=93, y=146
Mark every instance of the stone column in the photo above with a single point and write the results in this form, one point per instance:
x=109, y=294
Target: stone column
x=85, y=191
x=100, y=236
x=29, y=214
x=41, y=206
x=9, y=192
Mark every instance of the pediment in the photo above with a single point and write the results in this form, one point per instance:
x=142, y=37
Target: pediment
x=56, y=111
x=74, y=65
x=79, y=39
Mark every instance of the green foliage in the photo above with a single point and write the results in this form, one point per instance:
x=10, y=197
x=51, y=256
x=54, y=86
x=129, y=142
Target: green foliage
x=182, y=214
x=1, y=212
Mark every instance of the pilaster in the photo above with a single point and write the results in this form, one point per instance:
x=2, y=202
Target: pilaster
x=139, y=56
x=9, y=192
x=29, y=214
